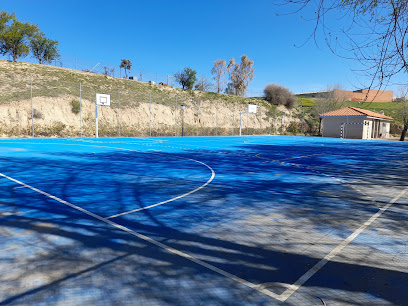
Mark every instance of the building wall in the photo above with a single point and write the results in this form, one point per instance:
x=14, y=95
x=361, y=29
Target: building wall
x=367, y=129
x=357, y=96
x=373, y=95
x=331, y=127
x=373, y=128
x=384, y=129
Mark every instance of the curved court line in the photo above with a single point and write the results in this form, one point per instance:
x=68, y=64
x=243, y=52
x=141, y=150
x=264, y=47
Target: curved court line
x=291, y=288
x=172, y=199
x=157, y=153
x=233, y=277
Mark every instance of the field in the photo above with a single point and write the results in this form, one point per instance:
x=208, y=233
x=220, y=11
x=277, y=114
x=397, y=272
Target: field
x=262, y=220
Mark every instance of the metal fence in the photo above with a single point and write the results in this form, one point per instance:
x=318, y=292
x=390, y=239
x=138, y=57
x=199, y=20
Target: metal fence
x=67, y=109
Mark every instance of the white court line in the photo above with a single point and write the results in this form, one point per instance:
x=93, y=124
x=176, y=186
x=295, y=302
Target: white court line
x=157, y=153
x=278, y=160
x=292, y=288
x=173, y=199
x=259, y=288
x=305, y=277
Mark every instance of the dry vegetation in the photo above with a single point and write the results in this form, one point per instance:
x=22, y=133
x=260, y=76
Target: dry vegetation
x=55, y=89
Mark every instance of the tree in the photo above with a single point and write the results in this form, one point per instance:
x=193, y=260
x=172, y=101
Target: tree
x=374, y=32
x=4, y=19
x=15, y=36
x=125, y=64
x=186, y=78
x=203, y=84
x=108, y=71
x=279, y=95
x=240, y=74
x=230, y=90
x=219, y=71
x=402, y=99
x=44, y=49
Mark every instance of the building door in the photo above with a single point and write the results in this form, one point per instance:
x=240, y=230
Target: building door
x=375, y=132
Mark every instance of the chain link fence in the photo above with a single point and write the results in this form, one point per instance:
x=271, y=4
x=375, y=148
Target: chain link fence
x=64, y=108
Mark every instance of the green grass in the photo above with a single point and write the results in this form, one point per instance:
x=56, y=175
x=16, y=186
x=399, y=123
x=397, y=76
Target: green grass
x=306, y=102
x=391, y=109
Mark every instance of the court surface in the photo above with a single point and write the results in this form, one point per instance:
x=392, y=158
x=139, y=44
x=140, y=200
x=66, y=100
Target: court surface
x=262, y=220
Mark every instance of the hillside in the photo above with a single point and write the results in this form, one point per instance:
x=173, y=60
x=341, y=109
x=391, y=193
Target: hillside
x=54, y=90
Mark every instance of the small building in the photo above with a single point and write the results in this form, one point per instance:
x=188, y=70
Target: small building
x=355, y=123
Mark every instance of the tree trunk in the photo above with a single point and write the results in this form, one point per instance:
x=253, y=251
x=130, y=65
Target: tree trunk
x=320, y=126
x=404, y=132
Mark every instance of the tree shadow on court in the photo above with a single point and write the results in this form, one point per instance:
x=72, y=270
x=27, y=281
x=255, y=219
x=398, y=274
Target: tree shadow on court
x=265, y=220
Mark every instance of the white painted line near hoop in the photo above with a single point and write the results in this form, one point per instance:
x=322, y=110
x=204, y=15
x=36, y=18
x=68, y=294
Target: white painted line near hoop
x=259, y=288
x=173, y=199
x=305, y=277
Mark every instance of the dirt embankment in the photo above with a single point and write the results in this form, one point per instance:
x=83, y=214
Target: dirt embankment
x=54, y=90
x=53, y=117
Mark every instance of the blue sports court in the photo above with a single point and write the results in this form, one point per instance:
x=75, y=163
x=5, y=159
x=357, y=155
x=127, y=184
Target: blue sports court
x=257, y=220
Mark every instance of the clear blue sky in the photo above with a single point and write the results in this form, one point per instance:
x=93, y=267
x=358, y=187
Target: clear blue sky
x=162, y=37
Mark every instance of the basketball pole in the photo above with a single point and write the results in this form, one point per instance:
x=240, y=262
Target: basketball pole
x=96, y=120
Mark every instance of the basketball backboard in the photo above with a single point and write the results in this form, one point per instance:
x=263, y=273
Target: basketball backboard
x=252, y=108
x=102, y=99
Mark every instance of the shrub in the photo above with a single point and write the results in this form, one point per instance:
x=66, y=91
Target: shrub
x=293, y=128
x=75, y=106
x=279, y=95
x=395, y=128
x=37, y=114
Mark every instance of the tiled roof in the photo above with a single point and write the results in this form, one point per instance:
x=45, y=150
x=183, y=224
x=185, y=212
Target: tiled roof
x=354, y=111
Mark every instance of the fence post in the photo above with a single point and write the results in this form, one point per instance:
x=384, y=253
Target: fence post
x=233, y=117
x=198, y=114
x=274, y=122
x=282, y=124
x=32, y=109
x=150, y=116
x=80, y=106
x=118, y=112
x=175, y=119
x=216, y=119
x=260, y=120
